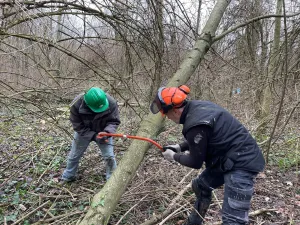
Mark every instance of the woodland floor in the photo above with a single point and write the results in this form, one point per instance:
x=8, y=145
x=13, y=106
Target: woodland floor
x=33, y=154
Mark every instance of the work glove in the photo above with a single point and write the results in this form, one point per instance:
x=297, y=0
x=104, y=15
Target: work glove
x=175, y=148
x=169, y=155
x=102, y=140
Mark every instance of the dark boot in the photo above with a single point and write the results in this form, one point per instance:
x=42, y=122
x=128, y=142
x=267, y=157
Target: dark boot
x=198, y=214
x=202, y=203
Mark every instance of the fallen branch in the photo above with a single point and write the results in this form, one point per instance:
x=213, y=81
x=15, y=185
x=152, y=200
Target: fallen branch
x=52, y=196
x=33, y=211
x=48, y=212
x=260, y=211
x=184, y=178
x=62, y=216
x=86, y=189
x=155, y=219
x=145, y=192
x=217, y=200
x=130, y=210
x=173, y=213
x=254, y=213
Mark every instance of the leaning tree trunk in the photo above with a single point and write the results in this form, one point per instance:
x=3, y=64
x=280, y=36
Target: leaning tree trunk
x=105, y=201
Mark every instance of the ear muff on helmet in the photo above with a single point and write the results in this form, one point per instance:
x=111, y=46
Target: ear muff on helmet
x=178, y=97
x=184, y=89
x=168, y=98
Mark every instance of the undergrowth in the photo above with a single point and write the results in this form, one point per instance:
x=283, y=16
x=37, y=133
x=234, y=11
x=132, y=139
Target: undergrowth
x=33, y=154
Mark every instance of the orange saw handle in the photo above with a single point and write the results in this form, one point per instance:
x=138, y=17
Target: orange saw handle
x=131, y=137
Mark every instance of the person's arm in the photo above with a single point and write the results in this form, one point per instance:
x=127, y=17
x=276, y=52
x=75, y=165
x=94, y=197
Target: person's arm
x=197, y=139
x=78, y=124
x=184, y=146
x=113, y=121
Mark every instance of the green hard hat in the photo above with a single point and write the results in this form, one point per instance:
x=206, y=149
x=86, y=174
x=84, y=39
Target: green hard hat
x=96, y=99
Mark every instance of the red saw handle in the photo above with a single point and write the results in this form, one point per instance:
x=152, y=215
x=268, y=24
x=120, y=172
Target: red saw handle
x=131, y=137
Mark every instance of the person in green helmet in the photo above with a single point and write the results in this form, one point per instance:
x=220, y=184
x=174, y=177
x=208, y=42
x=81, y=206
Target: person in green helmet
x=92, y=113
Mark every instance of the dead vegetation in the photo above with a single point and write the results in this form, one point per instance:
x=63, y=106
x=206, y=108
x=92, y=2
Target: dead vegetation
x=33, y=154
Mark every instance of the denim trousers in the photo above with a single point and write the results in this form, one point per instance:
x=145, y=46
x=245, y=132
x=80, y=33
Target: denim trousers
x=238, y=191
x=79, y=146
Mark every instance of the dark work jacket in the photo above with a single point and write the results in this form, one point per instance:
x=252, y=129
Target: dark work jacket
x=88, y=123
x=230, y=145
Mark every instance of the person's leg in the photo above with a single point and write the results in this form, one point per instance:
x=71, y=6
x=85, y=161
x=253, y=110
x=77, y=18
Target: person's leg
x=203, y=186
x=108, y=155
x=237, y=196
x=79, y=145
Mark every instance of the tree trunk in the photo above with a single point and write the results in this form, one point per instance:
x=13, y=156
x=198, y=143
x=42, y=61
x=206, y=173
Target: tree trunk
x=58, y=38
x=159, y=40
x=272, y=68
x=105, y=201
x=198, y=18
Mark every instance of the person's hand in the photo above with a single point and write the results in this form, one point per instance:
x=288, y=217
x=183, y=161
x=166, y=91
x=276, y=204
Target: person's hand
x=175, y=148
x=101, y=140
x=169, y=155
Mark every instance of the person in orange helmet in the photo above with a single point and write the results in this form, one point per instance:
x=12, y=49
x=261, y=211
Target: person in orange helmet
x=212, y=135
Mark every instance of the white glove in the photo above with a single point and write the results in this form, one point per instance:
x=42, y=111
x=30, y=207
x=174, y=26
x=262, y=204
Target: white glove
x=176, y=148
x=169, y=155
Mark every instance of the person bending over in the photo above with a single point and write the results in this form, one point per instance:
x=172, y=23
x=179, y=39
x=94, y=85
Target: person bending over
x=214, y=136
x=92, y=113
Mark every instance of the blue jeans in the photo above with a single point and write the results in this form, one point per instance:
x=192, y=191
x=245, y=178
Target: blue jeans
x=237, y=195
x=79, y=146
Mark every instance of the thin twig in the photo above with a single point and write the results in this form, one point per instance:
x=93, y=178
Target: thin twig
x=254, y=213
x=173, y=213
x=260, y=211
x=63, y=216
x=156, y=218
x=218, y=202
x=52, y=196
x=145, y=192
x=47, y=211
x=50, y=164
x=33, y=211
x=86, y=189
x=130, y=210
x=184, y=178
x=249, y=22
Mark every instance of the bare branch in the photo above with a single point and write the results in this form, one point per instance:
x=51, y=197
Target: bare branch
x=249, y=22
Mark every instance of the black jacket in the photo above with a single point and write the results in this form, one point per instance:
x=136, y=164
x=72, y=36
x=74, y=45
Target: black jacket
x=230, y=145
x=88, y=123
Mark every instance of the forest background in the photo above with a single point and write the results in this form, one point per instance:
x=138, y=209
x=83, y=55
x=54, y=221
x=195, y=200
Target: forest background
x=52, y=50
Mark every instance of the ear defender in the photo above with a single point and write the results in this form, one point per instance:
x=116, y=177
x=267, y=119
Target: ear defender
x=168, y=98
x=180, y=95
x=184, y=89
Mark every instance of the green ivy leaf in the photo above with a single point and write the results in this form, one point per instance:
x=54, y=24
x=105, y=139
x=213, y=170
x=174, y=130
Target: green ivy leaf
x=101, y=202
x=26, y=222
x=11, y=217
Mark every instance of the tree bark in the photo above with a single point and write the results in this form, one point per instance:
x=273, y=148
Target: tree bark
x=105, y=201
x=272, y=68
x=159, y=40
x=198, y=17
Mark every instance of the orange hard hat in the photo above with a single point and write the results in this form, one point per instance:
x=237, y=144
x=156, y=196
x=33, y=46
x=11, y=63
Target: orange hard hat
x=168, y=98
